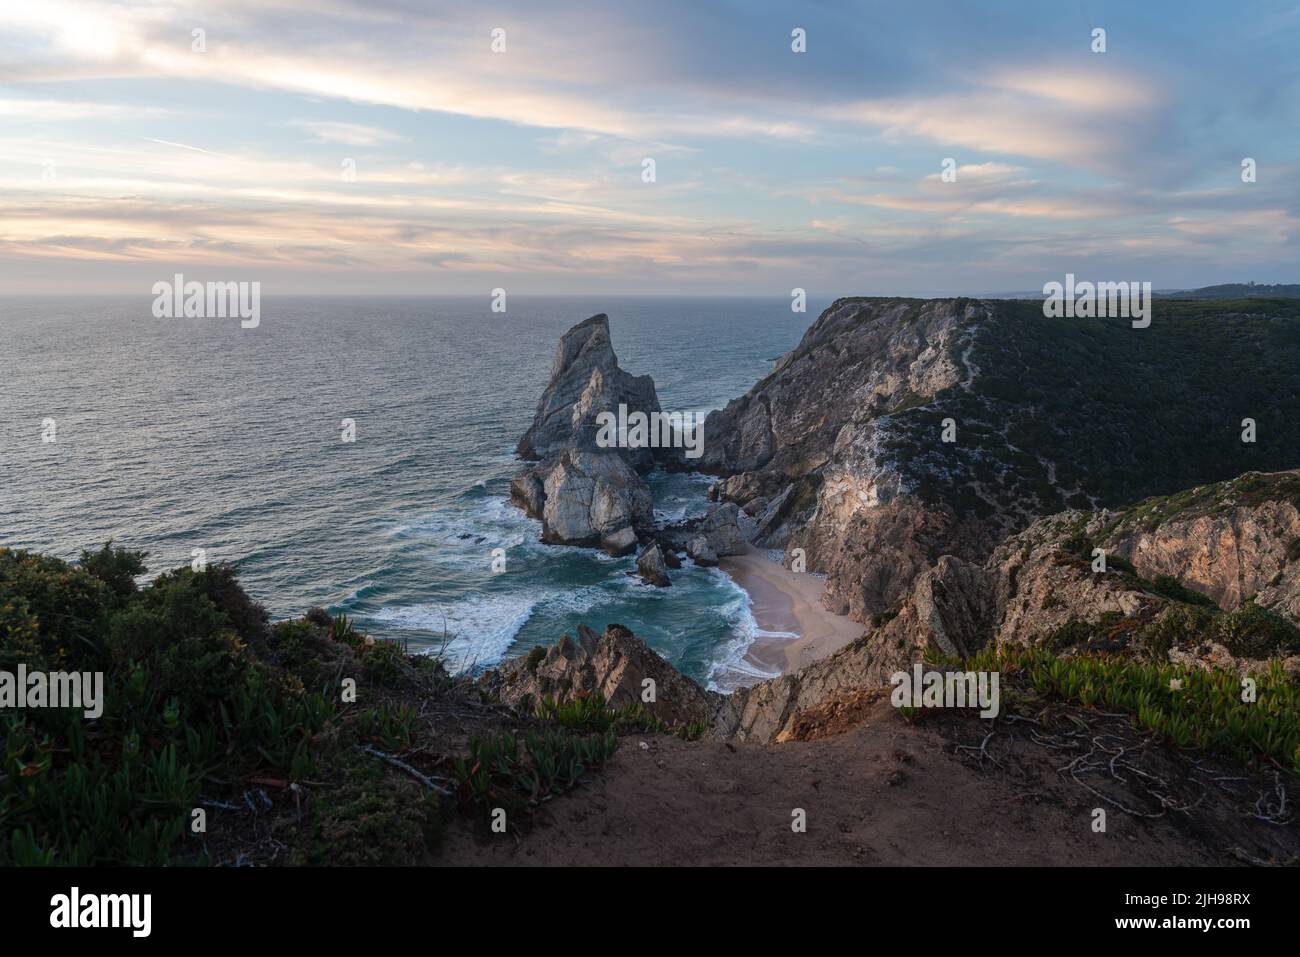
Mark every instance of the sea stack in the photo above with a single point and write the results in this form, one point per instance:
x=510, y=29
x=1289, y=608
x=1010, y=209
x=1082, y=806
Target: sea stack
x=585, y=381
x=583, y=493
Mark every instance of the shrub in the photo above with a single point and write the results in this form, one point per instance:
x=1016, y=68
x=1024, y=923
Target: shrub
x=1172, y=588
x=1073, y=632
x=1254, y=632
x=1176, y=625
x=115, y=567
x=51, y=612
x=186, y=703
x=370, y=819
x=591, y=713
x=515, y=773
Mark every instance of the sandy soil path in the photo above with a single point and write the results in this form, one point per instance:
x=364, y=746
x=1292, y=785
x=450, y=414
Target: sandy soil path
x=885, y=792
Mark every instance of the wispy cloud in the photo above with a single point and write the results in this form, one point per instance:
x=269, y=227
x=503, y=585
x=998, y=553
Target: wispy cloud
x=347, y=134
x=387, y=138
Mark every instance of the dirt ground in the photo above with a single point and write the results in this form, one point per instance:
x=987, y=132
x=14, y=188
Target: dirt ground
x=882, y=789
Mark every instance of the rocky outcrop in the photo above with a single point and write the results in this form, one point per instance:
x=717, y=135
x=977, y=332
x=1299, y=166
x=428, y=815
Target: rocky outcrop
x=1043, y=579
x=1047, y=587
x=652, y=566
x=1144, y=580
x=701, y=552
x=585, y=381
x=1234, y=541
x=616, y=665
x=900, y=431
x=584, y=494
x=586, y=498
x=721, y=529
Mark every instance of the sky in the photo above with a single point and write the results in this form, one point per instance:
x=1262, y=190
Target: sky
x=386, y=146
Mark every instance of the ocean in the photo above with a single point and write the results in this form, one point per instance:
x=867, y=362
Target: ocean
x=171, y=435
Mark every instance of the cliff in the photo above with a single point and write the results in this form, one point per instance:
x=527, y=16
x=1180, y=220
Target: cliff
x=1234, y=609
x=954, y=467
x=899, y=431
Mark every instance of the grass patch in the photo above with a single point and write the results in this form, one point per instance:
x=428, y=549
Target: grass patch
x=1207, y=711
x=515, y=773
x=589, y=712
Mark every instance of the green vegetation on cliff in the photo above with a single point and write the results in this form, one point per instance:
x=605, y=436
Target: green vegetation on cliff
x=1189, y=707
x=1072, y=413
x=224, y=738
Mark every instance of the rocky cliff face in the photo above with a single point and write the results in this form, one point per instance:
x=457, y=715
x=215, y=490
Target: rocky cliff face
x=1234, y=541
x=900, y=431
x=1044, y=586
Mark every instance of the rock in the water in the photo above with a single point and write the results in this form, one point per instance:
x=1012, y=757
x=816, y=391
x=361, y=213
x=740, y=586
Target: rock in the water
x=620, y=542
x=592, y=498
x=585, y=381
x=652, y=566
x=721, y=528
x=528, y=493
x=700, y=551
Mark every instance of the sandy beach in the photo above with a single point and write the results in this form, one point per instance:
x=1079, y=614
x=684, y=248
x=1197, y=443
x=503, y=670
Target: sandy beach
x=787, y=607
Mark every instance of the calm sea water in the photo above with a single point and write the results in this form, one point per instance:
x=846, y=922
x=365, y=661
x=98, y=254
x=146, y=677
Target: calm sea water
x=176, y=434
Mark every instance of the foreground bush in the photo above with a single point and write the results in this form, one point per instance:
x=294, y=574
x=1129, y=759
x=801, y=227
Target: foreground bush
x=202, y=700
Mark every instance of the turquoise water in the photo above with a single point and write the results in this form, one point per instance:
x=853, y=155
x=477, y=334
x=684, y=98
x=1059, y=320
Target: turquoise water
x=176, y=434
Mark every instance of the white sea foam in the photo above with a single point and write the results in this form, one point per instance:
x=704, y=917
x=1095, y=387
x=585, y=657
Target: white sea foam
x=730, y=668
x=480, y=627
x=484, y=626
x=358, y=591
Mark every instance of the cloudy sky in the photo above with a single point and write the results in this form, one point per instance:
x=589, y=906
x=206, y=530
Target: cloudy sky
x=369, y=146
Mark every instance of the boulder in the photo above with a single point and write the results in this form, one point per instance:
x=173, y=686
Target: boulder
x=651, y=566
x=620, y=542
x=593, y=498
x=700, y=552
x=721, y=528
